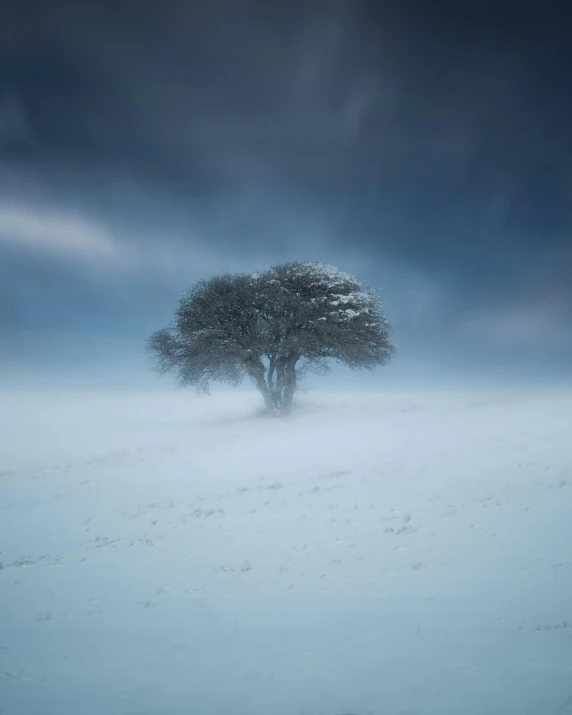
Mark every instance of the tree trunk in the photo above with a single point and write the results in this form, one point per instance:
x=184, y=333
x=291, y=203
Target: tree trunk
x=264, y=391
x=255, y=369
x=289, y=386
x=278, y=393
x=272, y=384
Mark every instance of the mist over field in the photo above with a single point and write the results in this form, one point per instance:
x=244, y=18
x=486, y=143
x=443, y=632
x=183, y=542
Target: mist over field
x=381, y=553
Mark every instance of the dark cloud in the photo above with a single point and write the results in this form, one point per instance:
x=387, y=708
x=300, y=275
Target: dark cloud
x=428, y=144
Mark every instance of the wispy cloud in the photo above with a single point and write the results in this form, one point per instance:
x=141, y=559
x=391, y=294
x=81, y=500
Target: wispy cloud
x=73, y=239
x=58, y=233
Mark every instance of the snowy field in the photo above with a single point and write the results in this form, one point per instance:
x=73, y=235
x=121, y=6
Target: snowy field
x=390, y=554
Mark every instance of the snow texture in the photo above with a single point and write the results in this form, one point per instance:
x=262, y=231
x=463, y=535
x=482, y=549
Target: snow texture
x=165, y=554
x=329, y=274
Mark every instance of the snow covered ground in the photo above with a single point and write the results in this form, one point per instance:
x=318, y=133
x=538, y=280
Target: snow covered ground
x=390, y=554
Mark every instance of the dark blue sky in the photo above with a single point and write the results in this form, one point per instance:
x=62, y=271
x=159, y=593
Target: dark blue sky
x=424, y=146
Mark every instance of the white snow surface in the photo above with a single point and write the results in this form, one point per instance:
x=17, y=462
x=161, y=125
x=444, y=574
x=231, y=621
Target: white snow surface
x=390, y=554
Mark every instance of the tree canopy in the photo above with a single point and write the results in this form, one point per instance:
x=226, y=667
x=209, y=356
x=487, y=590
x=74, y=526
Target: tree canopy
x=273, y=327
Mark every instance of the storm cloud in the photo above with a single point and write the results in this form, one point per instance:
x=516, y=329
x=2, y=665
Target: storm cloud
x=424, y=146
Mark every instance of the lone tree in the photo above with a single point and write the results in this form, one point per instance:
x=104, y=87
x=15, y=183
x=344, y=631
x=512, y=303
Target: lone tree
x=273, y=327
